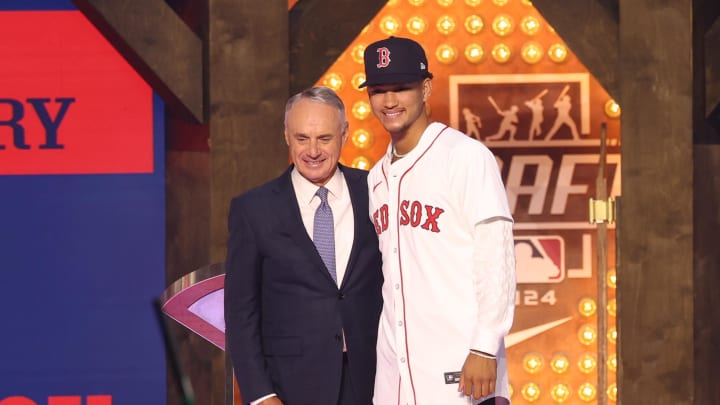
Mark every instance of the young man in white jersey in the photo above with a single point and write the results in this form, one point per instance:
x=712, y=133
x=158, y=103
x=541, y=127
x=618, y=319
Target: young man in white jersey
x=445, y=231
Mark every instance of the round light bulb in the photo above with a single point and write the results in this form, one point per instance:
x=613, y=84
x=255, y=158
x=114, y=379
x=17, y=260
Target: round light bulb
x=530, y=25
x=361, y=162
x=446, y=54
x=560, y=393
x=357, y=80
x=474, y=24
x=612, y=279
x=587, y=307
x=587, y=392
x=474, y=53
x=612, y=363
x=612, y=109
x=612, y=392
x=559, y=363
x=416, y=3
x=389, y=25
x=533, y=363
x=530, y=392
x=362, y=138
x=473, y=3
x=333, y=81
x=502, y=25
x=445, y=3
x=361, y=110
x=446, y=25
x=612, y=335
x=612, y=307
x=531, y=53
x=501, y=53
x=416, y=25
x=356, y=53
x=587, y=363
x=587, y=335
x=557, y=53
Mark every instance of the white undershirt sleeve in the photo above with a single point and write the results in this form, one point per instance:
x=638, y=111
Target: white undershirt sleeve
x=493, y=283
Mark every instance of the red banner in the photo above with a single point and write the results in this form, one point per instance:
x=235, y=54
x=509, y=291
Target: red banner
x=69, y=103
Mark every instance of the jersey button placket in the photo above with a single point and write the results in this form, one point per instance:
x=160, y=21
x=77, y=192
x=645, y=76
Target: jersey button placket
x=393, y=201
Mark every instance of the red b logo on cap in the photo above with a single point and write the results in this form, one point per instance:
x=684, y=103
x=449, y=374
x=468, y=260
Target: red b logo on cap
x=383, y=57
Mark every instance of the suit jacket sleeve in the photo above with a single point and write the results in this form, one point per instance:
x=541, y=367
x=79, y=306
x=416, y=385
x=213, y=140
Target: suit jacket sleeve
x=242, y=305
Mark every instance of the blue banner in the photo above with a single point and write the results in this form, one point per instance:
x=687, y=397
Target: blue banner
x=82, y=256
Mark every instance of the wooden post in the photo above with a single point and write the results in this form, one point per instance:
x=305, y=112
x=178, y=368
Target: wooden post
x=247, y=89
x=655, y=288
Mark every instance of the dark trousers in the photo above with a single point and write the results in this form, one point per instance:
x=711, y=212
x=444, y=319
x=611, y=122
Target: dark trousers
x=347, y=395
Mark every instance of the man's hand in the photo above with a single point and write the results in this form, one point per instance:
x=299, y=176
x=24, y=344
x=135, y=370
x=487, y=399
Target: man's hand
x=271, y=401
x=478, y=376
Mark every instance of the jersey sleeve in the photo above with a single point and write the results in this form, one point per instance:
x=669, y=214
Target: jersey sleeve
x=477, y=183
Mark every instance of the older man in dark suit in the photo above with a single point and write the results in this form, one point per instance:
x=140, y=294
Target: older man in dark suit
x=302, y=288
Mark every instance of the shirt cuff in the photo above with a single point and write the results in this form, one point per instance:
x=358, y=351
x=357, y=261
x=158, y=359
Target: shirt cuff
x=257, y=401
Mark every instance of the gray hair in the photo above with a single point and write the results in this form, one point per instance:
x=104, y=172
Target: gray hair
x=320, y=94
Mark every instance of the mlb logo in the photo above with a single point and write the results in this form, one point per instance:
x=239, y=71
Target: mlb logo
x=540, y=259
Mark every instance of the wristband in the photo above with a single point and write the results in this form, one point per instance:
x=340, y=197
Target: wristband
x=482, y=354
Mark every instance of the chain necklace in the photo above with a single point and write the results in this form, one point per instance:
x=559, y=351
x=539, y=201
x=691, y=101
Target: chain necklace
x=398, y=155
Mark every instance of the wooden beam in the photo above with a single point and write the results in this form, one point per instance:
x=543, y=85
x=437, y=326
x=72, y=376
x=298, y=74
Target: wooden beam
x=248, y=88
x=655, y=225
x=594, y=41
x=712, y=69
x=708, y=12
x=707, y=272
x=320, y=30
x=706, y=156
x=158, y=44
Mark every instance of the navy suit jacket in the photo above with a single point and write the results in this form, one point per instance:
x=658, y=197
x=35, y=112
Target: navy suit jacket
x=284, y=314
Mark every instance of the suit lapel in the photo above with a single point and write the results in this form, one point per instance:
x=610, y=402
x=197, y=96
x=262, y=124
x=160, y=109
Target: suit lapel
x=287, y=203
x=359, y=214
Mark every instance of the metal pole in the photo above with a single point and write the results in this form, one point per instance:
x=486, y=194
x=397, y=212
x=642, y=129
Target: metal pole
x=601, y=195
x=618, y=278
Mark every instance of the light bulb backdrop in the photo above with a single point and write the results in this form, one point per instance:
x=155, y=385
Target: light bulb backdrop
x=459, y=37
x=506, y=40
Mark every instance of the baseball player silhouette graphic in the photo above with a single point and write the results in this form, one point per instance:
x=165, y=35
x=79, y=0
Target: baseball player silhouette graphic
x=535, y=105
x=472, y=123
x=508, y=123
x=563, y=104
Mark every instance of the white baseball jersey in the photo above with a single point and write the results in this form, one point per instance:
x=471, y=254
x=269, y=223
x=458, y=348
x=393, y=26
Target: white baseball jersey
x=445, y=232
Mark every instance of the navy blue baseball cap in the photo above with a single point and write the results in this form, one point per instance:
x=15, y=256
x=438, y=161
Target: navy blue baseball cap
x=395, y=60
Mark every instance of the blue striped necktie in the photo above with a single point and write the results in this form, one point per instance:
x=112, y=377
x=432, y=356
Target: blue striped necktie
x=324, y=232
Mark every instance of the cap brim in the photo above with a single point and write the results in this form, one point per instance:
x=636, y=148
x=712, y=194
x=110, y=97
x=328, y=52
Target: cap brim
x=396, y=79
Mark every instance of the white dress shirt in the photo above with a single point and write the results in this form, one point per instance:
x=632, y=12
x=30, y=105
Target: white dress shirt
x=339, y=200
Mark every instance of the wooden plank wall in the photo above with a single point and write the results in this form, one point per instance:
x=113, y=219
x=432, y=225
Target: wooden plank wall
x=655, y=276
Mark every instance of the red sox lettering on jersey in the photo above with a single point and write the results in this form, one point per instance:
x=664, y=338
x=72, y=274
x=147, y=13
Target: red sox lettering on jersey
x=383, y=57
x=411, y=213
